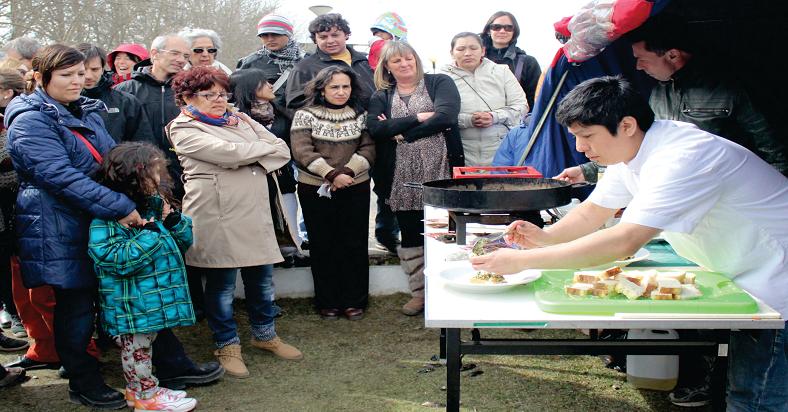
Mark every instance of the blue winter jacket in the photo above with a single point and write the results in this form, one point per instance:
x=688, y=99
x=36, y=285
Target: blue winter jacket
x=57, y=196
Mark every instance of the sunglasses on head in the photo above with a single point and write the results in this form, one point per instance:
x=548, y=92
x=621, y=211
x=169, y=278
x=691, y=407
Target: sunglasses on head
x=504, y=27
x=200, y=50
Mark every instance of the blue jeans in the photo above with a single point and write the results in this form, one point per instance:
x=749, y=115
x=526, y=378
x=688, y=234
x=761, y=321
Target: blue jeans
x=219, y=291
x=758, y=370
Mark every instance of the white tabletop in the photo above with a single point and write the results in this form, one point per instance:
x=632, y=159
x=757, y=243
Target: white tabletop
x=517, y=308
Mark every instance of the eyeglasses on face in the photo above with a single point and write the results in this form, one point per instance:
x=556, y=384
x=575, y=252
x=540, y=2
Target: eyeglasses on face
x=504, y=27
x=176, y=53
x=200, y=50
x=213, y=96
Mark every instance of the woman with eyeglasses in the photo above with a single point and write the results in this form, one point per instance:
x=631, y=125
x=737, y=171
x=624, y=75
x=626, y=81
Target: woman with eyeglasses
x=225, y=158
x=500, y=41
x=205, y=45
x=492, y=101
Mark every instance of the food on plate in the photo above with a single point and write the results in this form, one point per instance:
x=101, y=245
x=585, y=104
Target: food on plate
x=605, y=288
x=592, y=276
x=668, y=286
x=629, y=288
x=689, y=292
x=483, y=277
x=436, y=223
x=579, y=289
x=449, y=237
x=680, y=276
x=634, y=284
x=657, y=295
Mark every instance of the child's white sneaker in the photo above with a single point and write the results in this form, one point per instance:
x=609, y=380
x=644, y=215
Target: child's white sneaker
x=131, y=395
x=162, y=401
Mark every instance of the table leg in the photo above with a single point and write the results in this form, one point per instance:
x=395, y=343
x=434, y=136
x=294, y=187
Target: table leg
x=719, y=376
x=442, y=355
x=452, y=369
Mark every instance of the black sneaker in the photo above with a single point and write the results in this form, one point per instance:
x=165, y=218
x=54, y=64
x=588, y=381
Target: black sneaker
x=287, y=263
x=9, y=344
x=201, y=374
x=102, y=397
x=690, y=397
x=29, y=364
x=301, y=261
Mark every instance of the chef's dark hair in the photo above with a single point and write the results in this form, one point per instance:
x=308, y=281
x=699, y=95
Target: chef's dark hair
x=604, y=101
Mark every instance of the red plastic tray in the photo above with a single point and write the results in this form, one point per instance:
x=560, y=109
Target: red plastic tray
x=474, y=172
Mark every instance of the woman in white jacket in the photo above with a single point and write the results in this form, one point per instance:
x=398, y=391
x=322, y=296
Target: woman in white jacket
x=492, y=100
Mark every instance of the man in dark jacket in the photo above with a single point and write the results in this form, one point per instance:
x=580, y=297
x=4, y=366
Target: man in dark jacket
x=278, y=56
x=124, y=117
x=330, y=33
x=695, y=91
x=151, y=86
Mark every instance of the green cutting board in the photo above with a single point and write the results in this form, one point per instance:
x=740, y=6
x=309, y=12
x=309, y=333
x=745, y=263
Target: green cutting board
x=720, y=295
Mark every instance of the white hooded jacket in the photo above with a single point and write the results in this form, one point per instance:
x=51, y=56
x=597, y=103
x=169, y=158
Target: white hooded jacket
x=490, y=88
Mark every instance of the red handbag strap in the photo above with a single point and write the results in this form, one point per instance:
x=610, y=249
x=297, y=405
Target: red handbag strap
x=91, y=148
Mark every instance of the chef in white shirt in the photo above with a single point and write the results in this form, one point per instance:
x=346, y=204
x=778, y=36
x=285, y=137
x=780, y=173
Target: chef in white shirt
x=715, y=202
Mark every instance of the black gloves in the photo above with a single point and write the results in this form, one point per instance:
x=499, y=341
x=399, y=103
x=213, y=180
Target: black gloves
x=172, y=219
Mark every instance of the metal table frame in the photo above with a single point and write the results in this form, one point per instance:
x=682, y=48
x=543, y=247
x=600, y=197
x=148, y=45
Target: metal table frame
x=453, y=348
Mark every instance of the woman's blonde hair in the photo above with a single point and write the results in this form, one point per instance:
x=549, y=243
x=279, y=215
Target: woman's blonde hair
x=383, y=77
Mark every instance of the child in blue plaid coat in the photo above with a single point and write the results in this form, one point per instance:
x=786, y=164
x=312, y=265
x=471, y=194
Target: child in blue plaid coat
x=141, y=272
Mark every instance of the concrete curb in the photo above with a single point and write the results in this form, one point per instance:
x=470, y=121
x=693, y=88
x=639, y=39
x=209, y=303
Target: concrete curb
x=297, y=282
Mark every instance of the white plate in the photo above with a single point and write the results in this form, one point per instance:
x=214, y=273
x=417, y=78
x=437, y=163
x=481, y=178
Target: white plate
x=640, y=255
x=459, y=276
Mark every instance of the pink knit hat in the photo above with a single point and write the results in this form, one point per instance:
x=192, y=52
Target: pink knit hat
x=276, y=24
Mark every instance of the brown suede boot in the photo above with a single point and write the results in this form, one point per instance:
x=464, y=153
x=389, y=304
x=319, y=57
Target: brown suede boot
x=412, y=261
x=232, y=361
x=414, y=306
x=278, y=348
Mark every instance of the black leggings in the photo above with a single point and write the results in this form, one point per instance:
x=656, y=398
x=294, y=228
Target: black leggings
x=411, y=227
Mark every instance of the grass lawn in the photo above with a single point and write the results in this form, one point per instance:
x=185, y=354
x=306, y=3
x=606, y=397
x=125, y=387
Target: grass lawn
x=376, y=364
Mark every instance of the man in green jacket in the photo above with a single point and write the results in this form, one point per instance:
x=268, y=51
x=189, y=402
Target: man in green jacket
x=694, y=91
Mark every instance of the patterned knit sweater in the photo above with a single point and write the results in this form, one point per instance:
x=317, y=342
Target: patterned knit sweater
x=327, y=141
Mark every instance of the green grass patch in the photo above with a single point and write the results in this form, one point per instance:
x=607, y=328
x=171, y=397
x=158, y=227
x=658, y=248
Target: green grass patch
x=372, y=365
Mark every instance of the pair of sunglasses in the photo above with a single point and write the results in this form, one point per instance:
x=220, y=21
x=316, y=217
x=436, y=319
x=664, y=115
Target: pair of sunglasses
x=504, y=27
x=200, y=50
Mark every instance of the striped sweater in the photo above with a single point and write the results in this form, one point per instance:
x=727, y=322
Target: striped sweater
x=327, y=141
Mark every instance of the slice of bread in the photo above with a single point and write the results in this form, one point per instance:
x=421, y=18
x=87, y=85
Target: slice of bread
x=630, y=289
x=689, y=279
x=587, y=276
x=579, y=289
x=657, y=295
x=669, y=286
x=688, y=292
x=672, y=275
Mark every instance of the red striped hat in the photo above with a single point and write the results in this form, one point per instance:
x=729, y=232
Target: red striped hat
x=276, y=24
